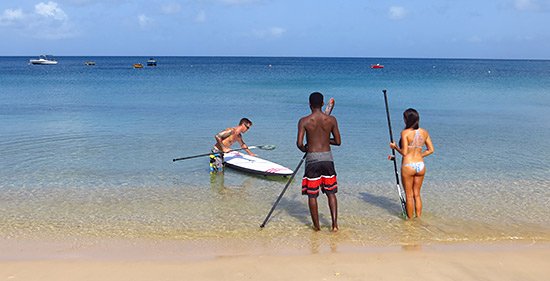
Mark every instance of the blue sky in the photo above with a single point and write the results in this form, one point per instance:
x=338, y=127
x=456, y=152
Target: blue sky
x=518, y=29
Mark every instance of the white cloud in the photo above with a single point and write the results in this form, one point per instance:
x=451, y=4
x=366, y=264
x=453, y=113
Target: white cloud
x=50, y=10
x=201, y=17
x=171, y=8
x=10, y=16
x=397, y=12
x=270, y=33
x=46, y=21
x=144, y=21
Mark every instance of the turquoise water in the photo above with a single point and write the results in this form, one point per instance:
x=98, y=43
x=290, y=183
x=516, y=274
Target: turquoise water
x=87, y=150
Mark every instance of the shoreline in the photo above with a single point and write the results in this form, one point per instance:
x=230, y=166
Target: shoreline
x=181, y=260
x=145, y=249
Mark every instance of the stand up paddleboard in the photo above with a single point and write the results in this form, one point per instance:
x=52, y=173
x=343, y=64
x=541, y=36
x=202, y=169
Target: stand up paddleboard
x=255, y=165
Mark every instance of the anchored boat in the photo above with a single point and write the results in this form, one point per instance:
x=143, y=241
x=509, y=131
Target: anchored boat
x=43, y=60
x=151, y=62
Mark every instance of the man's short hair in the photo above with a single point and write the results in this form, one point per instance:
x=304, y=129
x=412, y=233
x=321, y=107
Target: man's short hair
x=245, y=121
x=316, y=99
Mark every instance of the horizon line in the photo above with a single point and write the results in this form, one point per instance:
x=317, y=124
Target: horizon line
x=252, y=56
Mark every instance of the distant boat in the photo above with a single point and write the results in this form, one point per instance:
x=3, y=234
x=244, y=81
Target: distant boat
x=376, y=66
x=138, y=65
x=151, y=62
x=90, y=63
x=44, y=60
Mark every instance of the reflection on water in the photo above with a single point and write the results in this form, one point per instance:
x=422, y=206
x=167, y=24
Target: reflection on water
x=217, y=181
x=320, y=242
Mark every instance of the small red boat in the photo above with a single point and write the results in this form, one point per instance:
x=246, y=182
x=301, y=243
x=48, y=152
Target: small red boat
x=377, y=66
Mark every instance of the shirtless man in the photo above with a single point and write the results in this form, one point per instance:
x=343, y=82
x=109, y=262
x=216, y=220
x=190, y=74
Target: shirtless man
x=224, y=140
x=319, y=171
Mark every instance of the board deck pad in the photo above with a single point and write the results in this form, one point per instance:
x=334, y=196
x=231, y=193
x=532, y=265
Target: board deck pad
x=255, y=165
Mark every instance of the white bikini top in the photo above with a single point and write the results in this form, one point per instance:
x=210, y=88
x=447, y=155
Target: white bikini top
x=418, y=140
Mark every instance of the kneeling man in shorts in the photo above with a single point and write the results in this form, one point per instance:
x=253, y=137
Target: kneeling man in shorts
x=321, y=131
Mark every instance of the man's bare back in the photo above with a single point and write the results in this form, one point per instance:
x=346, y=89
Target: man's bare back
x=317, y=128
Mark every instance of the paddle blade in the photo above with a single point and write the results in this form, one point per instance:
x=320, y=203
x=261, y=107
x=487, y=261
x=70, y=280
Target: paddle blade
x=267, y=147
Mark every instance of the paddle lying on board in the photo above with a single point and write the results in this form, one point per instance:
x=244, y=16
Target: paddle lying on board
x=328, y=110
x=403, y=210
x=264, y=147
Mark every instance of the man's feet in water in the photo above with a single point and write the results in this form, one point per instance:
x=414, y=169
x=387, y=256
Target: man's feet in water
x=334, y=228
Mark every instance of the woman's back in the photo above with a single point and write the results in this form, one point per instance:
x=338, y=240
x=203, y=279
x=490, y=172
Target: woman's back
x=412, y=143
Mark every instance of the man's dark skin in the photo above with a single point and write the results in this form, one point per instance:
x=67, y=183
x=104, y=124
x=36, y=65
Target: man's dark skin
x=318, y=128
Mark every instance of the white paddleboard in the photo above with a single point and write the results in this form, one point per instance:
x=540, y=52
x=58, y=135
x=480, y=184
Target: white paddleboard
x=255, y=165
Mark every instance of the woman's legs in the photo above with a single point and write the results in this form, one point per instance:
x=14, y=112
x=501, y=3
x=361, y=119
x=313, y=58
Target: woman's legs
x=407, y=179
x=412, y=183
x=417, y=185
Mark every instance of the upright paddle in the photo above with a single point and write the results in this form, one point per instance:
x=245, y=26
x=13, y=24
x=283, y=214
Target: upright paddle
x=403, y=210
x=264, y=147
x=328, y=110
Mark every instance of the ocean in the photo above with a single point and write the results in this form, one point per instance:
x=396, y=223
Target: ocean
x=87, y=150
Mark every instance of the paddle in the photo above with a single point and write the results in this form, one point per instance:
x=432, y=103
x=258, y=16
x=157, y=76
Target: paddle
x=284, y=189
x=264, y=147
x=403, y=210
x=327, y=111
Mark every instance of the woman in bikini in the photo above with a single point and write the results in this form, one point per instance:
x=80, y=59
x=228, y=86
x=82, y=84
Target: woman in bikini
x=413, y=139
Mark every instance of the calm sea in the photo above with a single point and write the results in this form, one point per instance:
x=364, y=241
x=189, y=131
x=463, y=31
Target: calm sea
x=87, y=150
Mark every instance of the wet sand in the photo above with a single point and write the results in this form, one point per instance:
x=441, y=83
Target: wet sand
x=177, y=260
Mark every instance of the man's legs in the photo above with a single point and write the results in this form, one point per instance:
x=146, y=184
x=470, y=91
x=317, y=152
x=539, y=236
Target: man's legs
x=312, y=202
x=333, y=206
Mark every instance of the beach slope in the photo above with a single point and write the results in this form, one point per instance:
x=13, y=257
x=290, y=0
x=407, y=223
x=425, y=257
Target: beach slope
x=470, y=262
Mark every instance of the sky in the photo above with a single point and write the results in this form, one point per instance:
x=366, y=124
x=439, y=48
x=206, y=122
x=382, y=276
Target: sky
x=494, y=29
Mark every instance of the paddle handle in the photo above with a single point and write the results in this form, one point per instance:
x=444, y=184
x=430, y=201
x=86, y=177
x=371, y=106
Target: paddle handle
x=391, y=135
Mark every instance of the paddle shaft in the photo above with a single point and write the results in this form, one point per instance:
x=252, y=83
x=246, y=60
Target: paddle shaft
x=206, y=154
x=283, y=192
x=403, y=207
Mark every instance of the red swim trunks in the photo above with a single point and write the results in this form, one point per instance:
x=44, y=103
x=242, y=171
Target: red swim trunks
x=319, y=174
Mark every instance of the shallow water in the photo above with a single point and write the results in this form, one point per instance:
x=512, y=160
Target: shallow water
x=86, y=151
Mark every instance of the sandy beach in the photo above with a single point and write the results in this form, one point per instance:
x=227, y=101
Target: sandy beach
x=138, y=260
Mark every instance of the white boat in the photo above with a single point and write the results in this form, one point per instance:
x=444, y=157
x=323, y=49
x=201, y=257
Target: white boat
x=43, y=59
x=151, y=62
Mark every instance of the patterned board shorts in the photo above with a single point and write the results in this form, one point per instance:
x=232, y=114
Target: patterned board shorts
x=216, y=161
x=319, y=174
